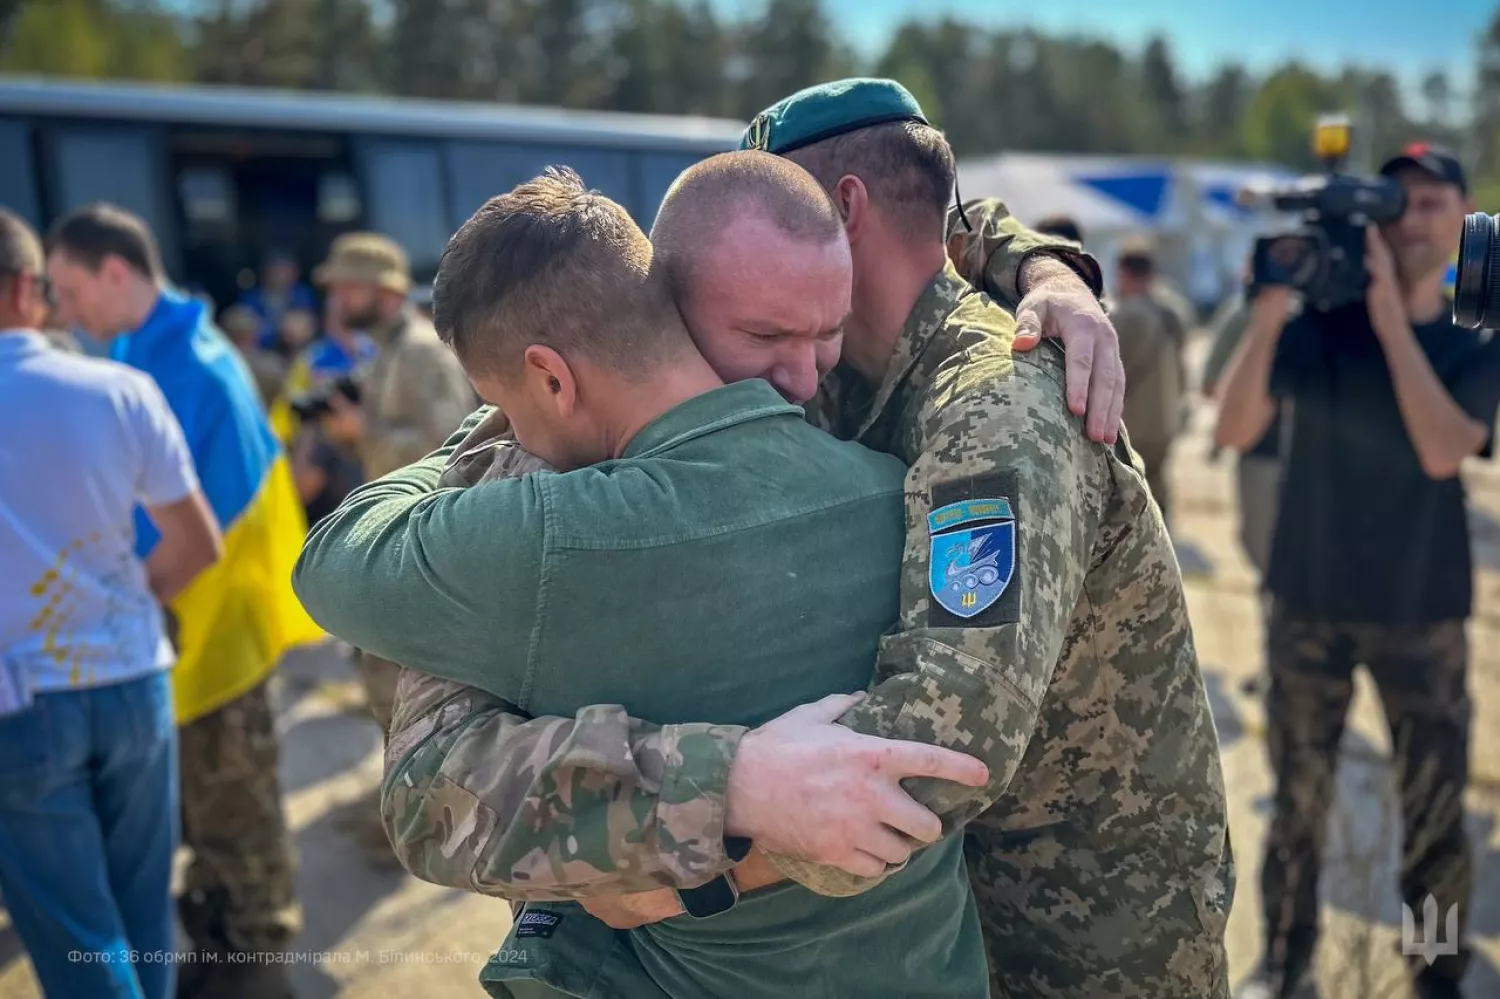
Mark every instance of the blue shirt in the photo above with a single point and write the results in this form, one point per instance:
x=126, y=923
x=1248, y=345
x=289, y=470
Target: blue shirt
x=299, y=296
x=328, y=359
x=1363, y=534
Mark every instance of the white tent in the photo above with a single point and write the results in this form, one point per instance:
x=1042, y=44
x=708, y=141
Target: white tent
x=1188, y=206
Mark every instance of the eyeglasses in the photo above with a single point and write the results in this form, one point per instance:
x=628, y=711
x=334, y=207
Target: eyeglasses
x=43, y=286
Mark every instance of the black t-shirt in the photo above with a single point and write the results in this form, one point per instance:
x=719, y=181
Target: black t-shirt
x=1363, y=535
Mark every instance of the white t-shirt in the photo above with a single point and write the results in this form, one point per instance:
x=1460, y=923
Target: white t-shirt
x=82, y=443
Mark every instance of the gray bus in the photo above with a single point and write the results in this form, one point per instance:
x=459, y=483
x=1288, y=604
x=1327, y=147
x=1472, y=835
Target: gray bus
x=224, y=175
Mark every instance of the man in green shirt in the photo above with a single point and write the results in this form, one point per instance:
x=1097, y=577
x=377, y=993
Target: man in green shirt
x=624, y=578
x=1099, y=847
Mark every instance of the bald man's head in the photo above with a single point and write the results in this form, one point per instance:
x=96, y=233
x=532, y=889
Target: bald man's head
x=754, y=252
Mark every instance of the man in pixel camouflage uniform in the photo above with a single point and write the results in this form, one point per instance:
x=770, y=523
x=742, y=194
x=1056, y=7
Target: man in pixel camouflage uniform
x=1099, y=664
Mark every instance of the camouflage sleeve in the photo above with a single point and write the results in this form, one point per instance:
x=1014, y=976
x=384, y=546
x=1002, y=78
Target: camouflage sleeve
x=1009, y=472
x=479, y=796
x=428, y=396
x=990, y=257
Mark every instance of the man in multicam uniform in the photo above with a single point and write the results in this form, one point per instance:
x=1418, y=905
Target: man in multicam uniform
x=411, y=398
x=1100, y=666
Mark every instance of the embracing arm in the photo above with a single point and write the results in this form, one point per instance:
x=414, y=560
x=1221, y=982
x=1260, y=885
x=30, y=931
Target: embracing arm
x=974, y=683
x=477, y=795
x=999, y=254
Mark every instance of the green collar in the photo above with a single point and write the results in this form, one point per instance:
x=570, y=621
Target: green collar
x=704, y=414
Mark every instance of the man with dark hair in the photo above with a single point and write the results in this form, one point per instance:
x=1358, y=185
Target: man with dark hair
x=88, y=748
x=236, y=619
x=561, y=258
x=1370, y=561
x=672, y=489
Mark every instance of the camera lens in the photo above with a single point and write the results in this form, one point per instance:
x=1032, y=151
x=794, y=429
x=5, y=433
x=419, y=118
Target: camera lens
x=1476, y=296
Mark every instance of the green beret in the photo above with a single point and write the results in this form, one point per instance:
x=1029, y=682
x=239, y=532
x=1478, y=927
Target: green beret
x=829, y=109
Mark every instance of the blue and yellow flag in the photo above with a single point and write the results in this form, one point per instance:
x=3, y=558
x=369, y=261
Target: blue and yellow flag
x=238, y=617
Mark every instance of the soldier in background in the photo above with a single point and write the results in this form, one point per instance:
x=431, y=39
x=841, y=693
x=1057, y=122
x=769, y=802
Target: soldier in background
x=413, y=396
x=1153, y=335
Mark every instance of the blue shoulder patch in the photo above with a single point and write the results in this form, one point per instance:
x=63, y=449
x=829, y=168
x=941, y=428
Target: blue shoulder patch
x=973, y=554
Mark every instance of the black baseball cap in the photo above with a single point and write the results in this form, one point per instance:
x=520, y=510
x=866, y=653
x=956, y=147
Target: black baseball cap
x=1434, y=160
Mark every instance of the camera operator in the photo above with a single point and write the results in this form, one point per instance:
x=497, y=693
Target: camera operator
x=1370, y=559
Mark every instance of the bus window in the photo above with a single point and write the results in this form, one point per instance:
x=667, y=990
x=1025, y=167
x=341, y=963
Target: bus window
x=403, y=181
x=17, y=180
x=658, y=170
x=119, y=165
x=477, y=171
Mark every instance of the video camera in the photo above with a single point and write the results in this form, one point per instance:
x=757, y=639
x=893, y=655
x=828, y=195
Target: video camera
x=1476, y=294
x=318, y=403
x=1325, y=259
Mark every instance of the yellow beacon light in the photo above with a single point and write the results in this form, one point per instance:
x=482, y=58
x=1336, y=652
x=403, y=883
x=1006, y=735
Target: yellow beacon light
x=1331, y=137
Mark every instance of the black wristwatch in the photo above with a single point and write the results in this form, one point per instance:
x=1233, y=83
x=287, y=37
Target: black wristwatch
x=719, y=895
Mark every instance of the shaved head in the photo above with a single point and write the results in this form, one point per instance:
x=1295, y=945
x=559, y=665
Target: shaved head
x=754, y=252
x=711, y=200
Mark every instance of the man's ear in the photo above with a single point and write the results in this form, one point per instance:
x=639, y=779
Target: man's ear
x=853, y=200
x=551, y=379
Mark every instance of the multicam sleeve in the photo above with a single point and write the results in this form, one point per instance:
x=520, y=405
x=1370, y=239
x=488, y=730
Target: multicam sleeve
x=990, y=257
x=1012, y=494
x=480, y=796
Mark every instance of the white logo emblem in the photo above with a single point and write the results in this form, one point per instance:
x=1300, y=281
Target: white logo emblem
x=1428, y=945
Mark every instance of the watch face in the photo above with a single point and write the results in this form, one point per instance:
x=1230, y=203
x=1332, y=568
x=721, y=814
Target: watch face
x=718, y=895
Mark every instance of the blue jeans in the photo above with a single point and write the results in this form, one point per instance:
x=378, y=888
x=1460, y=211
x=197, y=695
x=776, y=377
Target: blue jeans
x=88, y=826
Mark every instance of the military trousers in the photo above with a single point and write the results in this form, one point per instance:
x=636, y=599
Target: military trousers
x=1071, y=912
x=1421, y=674
x=238, y=893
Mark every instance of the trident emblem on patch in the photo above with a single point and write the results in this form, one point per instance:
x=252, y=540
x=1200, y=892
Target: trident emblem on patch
x=760, y=132
x=973, y=554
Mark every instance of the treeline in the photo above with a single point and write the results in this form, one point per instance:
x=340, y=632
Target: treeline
x=991, y=90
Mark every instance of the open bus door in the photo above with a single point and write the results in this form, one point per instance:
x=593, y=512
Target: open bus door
x=244, y=196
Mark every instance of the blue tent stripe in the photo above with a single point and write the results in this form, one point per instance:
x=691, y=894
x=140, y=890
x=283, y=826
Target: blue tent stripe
x=1143, y=192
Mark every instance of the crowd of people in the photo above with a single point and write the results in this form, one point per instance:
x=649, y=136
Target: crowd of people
x=543, y=511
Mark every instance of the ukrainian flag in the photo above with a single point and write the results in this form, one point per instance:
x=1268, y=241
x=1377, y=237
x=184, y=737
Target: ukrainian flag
x=238, y=617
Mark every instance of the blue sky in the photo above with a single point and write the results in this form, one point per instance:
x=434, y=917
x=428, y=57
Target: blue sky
x=1398, y=34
